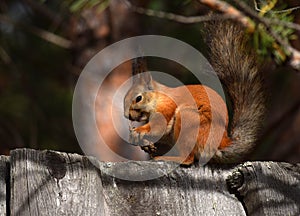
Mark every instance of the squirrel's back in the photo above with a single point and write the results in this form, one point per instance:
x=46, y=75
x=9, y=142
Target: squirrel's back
x=235, y=64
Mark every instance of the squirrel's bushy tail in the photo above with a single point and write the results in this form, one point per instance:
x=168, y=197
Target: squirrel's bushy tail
x=237, y=69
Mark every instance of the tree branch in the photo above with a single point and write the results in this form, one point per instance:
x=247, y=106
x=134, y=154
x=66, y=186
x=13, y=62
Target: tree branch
x=294, y=54
x=228, y=9
x=172, y=16
x=46, y=35
x=280, y=11
x=243, y=14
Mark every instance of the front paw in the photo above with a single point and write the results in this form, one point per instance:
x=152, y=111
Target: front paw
x=150, y=149
x=138, y=138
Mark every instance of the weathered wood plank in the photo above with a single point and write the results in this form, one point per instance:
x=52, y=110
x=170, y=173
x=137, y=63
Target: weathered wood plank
x=52, y=183
x=268, y=188
x=183, y=191
x=4, y=184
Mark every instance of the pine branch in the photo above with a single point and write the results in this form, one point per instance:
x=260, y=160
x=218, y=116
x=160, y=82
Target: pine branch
x=172, y=16
x=228, y=9
x=294, y=54
x=242, y=14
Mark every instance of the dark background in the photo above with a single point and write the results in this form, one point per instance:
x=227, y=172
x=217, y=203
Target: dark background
x=38, y=71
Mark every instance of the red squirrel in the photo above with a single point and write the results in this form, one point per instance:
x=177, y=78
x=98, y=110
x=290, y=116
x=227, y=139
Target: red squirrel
x=162, y=109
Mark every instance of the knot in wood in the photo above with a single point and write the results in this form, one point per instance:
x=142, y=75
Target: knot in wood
x=56, y=164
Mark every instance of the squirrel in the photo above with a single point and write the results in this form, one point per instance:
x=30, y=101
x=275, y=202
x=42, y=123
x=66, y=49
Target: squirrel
x=168, y=117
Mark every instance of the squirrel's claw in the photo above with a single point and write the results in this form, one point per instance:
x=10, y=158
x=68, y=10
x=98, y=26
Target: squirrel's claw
x=150, y=149
x=138, y=139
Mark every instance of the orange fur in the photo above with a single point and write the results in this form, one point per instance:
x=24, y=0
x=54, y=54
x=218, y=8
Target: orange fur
x=190, y=103
x=194, y=118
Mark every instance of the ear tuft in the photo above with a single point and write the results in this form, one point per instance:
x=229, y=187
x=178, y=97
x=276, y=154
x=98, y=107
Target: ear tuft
x=140, y=72
x=147, y=79
x=139, y=65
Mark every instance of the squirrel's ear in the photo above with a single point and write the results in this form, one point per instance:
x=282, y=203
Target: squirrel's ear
x=139, y=65
x=147, y=78
x=139, y=72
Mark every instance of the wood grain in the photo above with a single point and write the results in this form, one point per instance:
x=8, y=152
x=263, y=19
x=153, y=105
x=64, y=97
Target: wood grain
x=269, y=188
x=183, y=191
x=52, y=183
x=4, y=184
x=55, y=183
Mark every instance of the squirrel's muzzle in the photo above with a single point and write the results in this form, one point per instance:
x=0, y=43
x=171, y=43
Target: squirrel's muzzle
x=138, y=115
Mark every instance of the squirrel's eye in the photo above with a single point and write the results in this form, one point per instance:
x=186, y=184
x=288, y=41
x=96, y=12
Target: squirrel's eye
x=138, y=98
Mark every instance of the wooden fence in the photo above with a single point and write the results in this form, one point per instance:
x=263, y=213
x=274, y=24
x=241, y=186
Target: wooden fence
x=53, y=183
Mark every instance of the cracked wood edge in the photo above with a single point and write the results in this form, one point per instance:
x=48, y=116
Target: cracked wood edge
x=53, y=183
x=4, y=184
x=267, y=188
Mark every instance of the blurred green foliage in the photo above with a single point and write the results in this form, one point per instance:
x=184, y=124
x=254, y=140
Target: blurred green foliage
x=264, y=43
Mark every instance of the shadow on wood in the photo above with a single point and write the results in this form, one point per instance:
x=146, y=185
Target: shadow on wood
x=4, y=185
x=54, y=183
